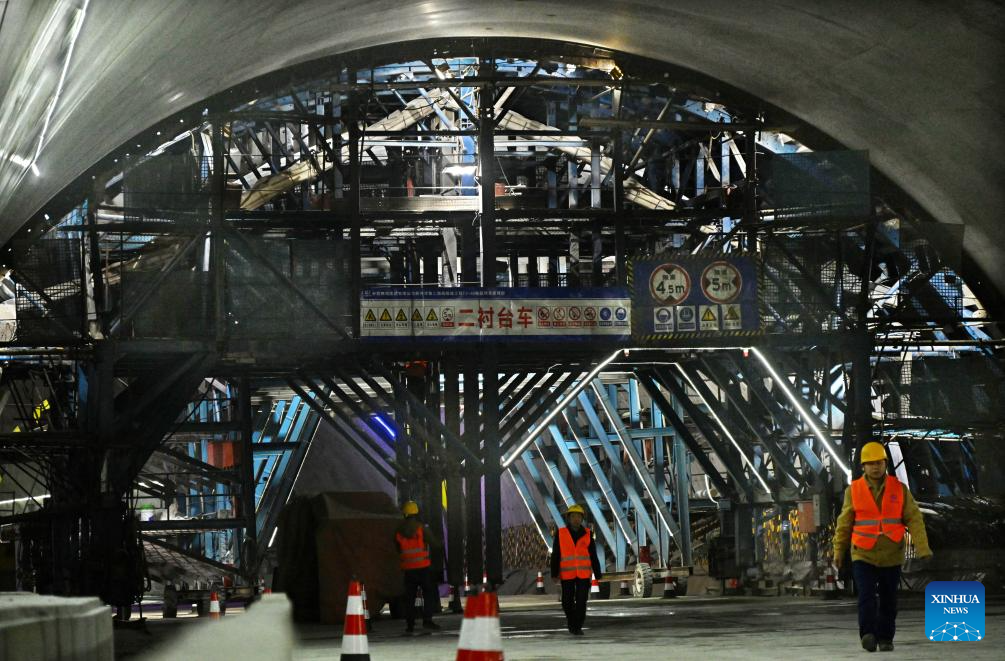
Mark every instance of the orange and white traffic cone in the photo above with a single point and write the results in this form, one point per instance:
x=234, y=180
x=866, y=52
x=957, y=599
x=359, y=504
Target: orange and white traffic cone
x=830, y=585
x=623, y=590
x=594, y=585
x=539, y=584
x=355, y=646
x=214, y=606
x=669, y=587
x=481, y=639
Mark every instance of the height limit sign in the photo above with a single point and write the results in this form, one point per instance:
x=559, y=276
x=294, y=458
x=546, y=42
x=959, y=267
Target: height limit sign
x=721, y=282
x=669, y=284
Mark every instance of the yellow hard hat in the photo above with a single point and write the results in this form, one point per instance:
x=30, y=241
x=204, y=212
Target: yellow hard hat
x=575, y=508
x=872, y=452
x=409, y=508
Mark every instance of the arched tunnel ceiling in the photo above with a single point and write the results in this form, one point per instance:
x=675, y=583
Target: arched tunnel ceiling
x=918, y=84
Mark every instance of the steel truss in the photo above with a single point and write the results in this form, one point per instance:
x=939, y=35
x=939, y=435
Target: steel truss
x=187, y=326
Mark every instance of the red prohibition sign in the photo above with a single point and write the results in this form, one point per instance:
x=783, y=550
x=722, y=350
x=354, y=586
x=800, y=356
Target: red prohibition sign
x=669, y=284
x=721, y=282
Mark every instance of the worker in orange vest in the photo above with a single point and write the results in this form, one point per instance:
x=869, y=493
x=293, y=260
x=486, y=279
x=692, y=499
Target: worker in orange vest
x=416, y=542
x=574, y=561
x=877, y=510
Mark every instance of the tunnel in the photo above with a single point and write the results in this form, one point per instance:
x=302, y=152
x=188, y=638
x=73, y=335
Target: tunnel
x=273, y=272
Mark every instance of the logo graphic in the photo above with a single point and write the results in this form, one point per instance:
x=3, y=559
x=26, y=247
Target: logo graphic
x=954, y=611
x=605, y=314
x=621, y=314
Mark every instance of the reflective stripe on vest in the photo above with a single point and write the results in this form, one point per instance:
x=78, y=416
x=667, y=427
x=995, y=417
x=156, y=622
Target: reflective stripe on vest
x=575, y=555
x=871, y=520
x=413, y=554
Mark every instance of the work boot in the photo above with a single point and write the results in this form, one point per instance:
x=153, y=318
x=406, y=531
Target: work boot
x=885, y=646
x=577, y=632
x=432, y=626
x=409, y=628
x=869, y=642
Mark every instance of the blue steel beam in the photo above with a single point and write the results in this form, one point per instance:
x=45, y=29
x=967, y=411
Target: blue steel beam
x=587, y=496
x=728, y=456
x=651, y=385
x=786, y=420
x=606, y=490
x=527, y=460
x=637, y=461
x=528, y=500
x=782, y=463
x=619, y=471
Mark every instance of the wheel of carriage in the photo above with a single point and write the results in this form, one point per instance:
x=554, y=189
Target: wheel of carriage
x=642, y=586
x=170, y=606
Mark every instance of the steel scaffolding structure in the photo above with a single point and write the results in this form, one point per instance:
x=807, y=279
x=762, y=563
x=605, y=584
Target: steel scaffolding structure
x=184, y=329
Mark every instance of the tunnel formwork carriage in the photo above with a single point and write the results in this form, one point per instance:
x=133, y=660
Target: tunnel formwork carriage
x=497, y=277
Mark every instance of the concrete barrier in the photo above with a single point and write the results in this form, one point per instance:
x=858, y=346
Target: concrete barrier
x=49, y=628
x=263, y=631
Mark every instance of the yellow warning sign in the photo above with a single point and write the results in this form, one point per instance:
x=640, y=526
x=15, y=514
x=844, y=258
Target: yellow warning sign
x=416, y=314
x=432, y=315
x=385, y=315
x=709, y=317
x=732, y=318
x=370, y=316
x=401, y=315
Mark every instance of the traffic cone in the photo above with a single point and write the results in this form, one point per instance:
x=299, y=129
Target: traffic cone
x=355, y=646
x=595, y=585
x=669, y=587
x=481, y=639
x=624, y=588
x=214, y=606
x=539, y=584
x=830, y=585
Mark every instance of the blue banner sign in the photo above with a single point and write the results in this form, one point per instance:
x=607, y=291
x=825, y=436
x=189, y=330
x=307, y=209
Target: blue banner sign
x=495, y=314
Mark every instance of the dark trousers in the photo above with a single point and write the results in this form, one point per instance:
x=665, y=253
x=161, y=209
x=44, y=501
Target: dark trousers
x=877, y=599
x=416, y=579
x=575, y=592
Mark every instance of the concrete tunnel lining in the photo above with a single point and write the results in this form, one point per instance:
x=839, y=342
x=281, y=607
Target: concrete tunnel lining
x=866, y=75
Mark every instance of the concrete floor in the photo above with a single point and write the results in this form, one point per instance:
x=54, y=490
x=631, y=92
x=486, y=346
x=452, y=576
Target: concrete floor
x=713, y=627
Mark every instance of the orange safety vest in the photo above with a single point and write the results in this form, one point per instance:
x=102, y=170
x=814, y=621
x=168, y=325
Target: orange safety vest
x=872, y=521
x=575, y=561
x=414, y=553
